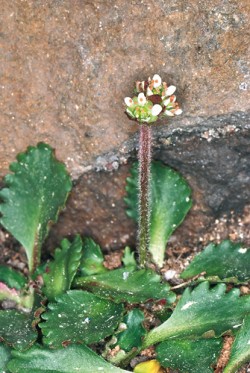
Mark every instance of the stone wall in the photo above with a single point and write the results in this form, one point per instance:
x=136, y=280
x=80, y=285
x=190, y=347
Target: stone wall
x=66, y=66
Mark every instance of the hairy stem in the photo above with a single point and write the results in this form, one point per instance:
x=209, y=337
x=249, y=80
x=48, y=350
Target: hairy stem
x=144, y=192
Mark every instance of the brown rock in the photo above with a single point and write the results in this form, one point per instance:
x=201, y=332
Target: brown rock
x=66, y=66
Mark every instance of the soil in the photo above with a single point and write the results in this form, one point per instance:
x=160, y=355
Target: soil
x=178, y=257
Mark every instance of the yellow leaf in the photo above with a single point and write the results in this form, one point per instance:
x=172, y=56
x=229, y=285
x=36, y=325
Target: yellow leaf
x=151, y=366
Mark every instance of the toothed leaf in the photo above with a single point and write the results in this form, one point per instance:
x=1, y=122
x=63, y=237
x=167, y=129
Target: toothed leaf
x=170, y=202
x=62, y=270
x=127, y=285
x=79, y=316
x=193, y=356
x=224, y=260
x=74, y=358
x=203, y=310
x=34, y=195
x=134, y=332
x=240, y=352
x=92, y=258
x=12, y=278
x=16, y=329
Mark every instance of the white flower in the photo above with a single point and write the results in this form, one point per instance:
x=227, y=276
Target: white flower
x=156, y=109
x=149, y=92
x=178, y=112
x=157, y=80
x=128, y=101
x=142, y=99
x=170, y=90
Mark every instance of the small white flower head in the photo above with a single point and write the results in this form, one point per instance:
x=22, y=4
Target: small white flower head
x=142, y=99
x=170, y=90
x=153, y=99
x=128, y=101
x=156, y=109
x=157, y=81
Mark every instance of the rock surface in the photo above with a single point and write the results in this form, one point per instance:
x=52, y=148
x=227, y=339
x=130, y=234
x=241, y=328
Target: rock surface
x=66, y=66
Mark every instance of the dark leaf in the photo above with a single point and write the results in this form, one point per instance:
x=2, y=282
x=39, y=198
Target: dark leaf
x=35, y=193
x=79, y=316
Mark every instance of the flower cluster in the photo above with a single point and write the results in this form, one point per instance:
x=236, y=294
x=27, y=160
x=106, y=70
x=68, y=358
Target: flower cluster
x=154, y=98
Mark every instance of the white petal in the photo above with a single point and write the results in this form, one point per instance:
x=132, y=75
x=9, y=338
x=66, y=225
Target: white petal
x=170, y=90
x=142, y=99
x=149, y=92
x=168, y=113
x=156, y=109
x=178, y=112
x=128, y=101
x=166, y=102
x=157, y=80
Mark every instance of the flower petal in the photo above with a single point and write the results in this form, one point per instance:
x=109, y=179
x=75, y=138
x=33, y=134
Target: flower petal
x=142, y=99
x=170, y=90
x=149, y=92
x=156, y=109
x=168, y=113
x=178, y=112
x=157, y=80
x=166, y=102
x=128, y=101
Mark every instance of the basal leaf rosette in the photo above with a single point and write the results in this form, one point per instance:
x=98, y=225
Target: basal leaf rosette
x=154, y=98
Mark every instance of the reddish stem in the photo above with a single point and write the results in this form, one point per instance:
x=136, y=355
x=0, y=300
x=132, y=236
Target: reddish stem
x=144, y=192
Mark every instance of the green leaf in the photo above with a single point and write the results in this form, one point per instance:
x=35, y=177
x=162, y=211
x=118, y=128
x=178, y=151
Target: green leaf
x=4, y=357
x=79, y=316
x=128, y=258
x=12, y=278
x=203, y=310
x=62, y=270
x=35, y=193
x=240, y=352
x=170, y=202
x=225, y=260
x=127, y=285
x=16, y=329
x=134, y=332
x=92, y=258
x=192, y=356
x=74, y=358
